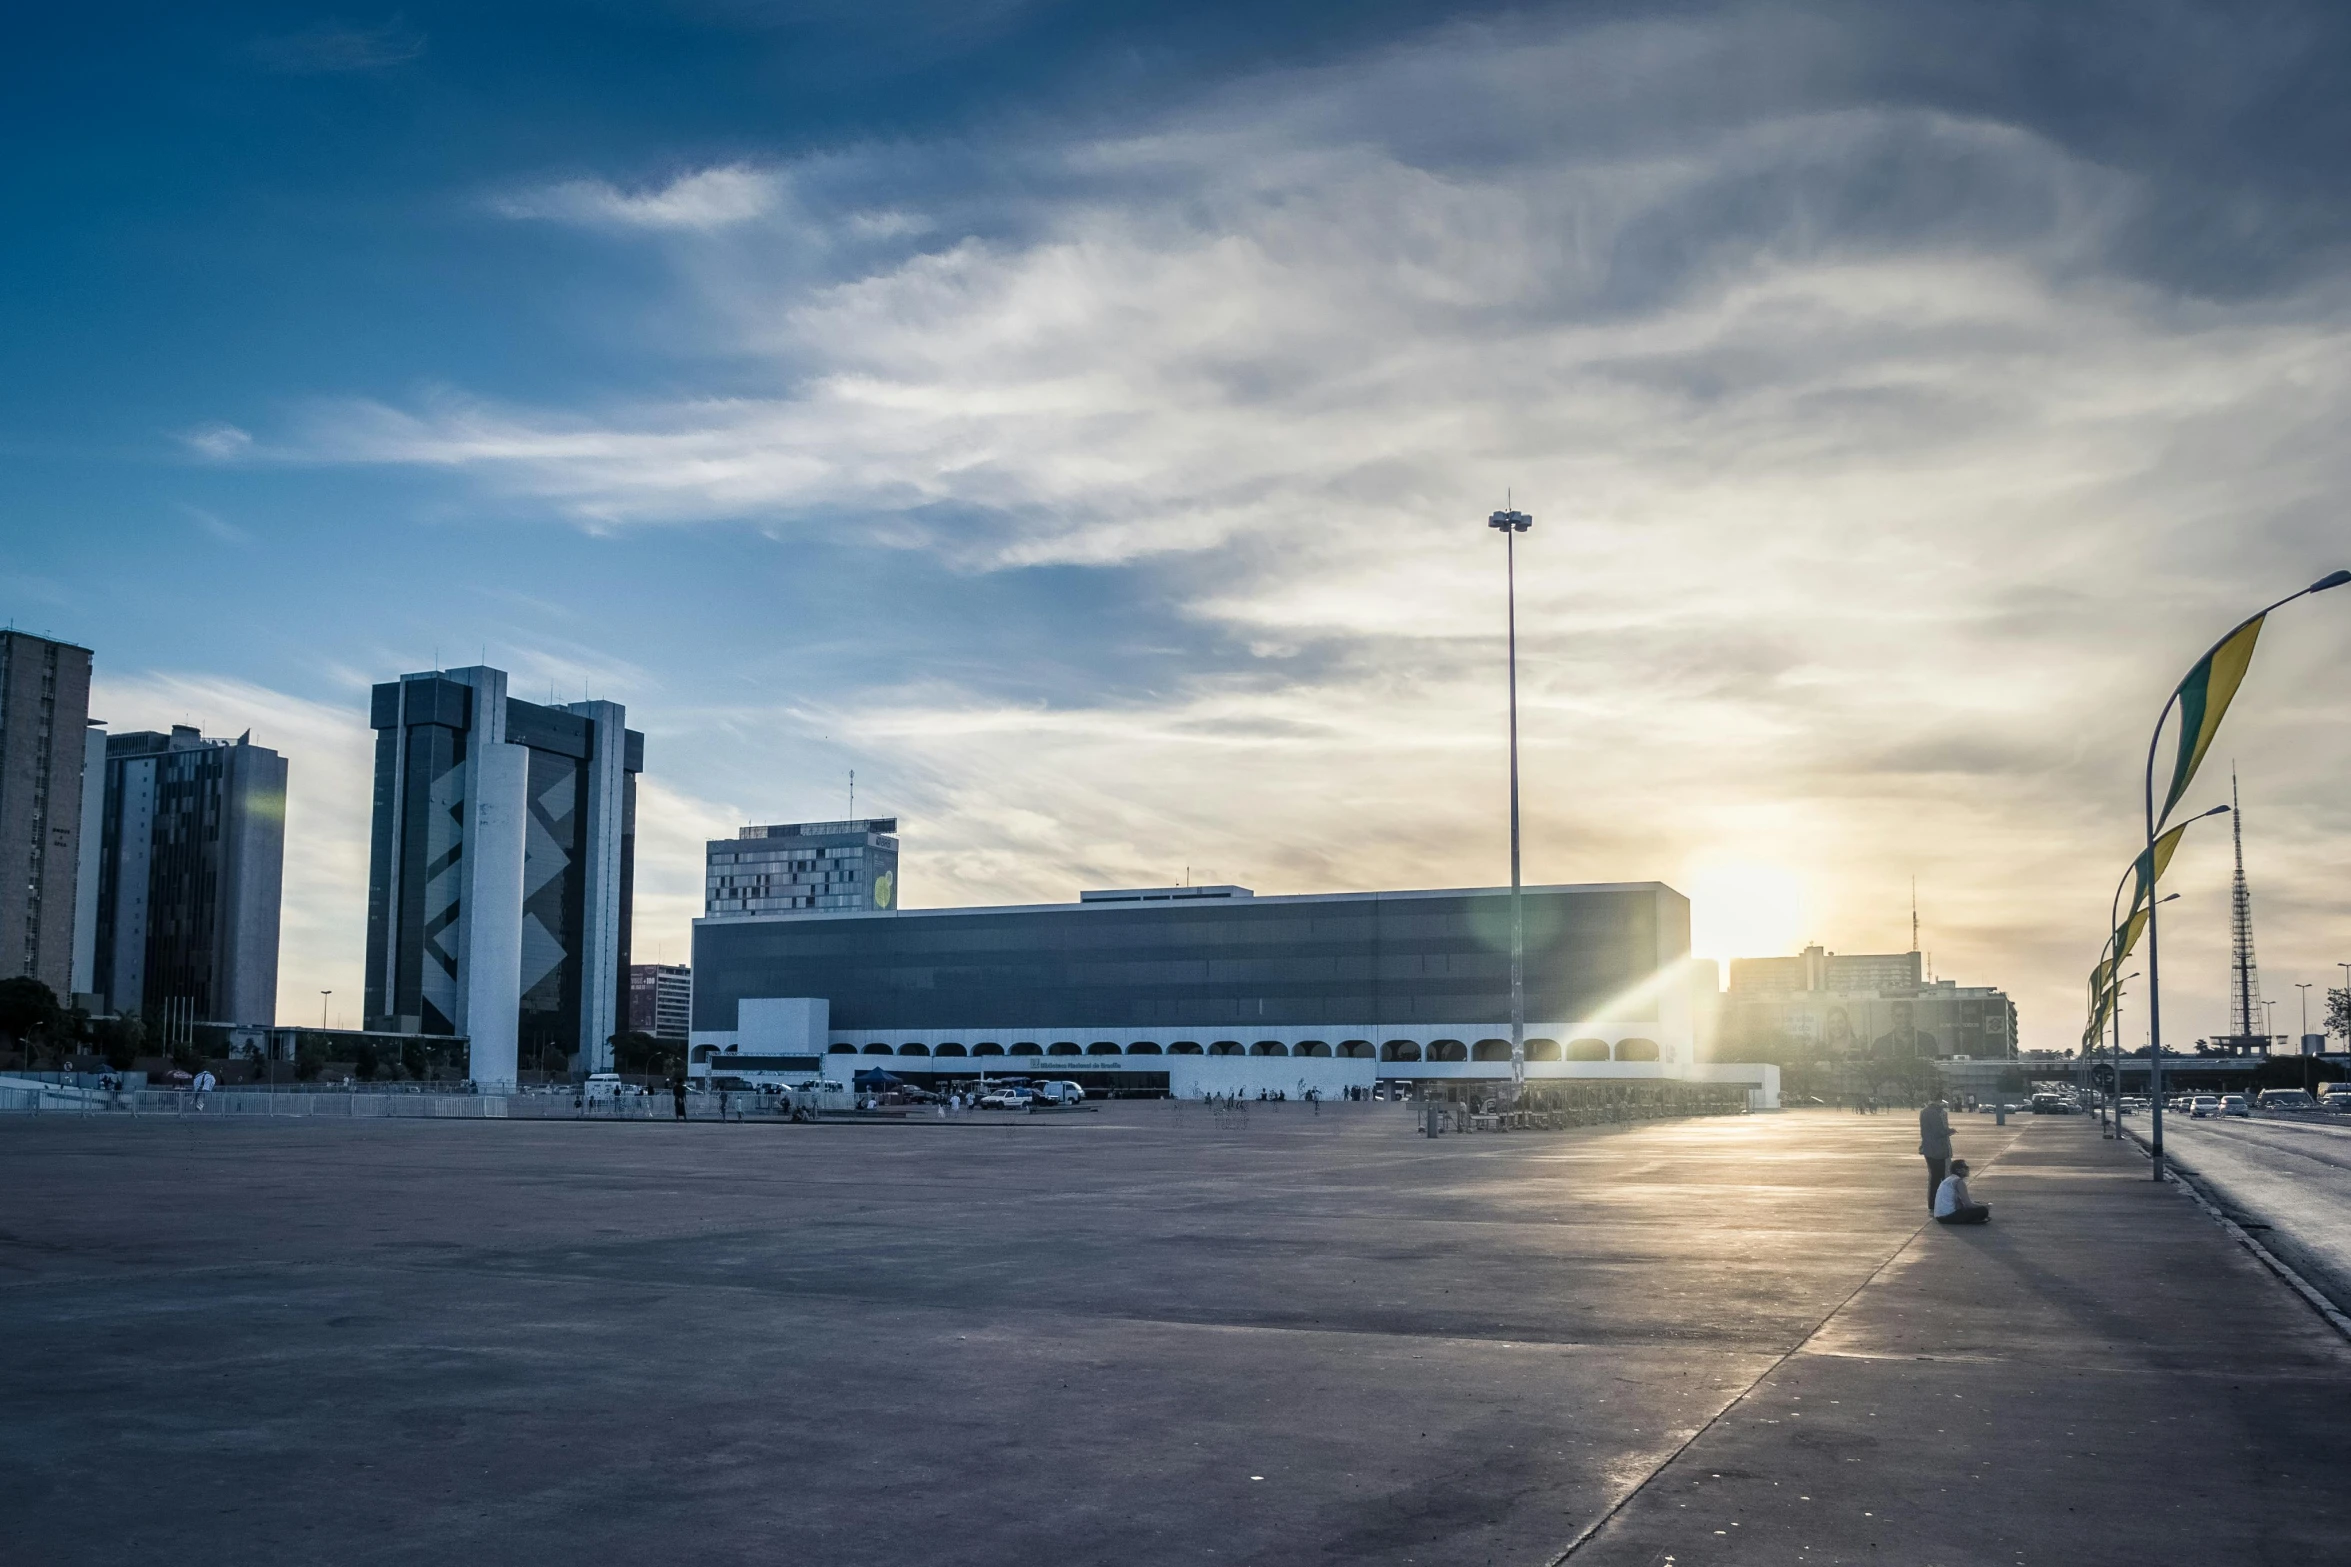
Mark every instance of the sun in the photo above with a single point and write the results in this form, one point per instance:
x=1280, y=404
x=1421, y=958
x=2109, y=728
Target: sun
x=1745, y=909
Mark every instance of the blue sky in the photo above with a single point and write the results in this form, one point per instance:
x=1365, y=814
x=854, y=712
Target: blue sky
x=1078, y=420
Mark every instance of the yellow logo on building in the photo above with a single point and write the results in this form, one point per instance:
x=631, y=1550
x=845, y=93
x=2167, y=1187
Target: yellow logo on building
x=885, y=887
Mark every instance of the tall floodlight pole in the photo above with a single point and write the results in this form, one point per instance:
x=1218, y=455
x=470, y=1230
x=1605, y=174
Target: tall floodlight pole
x=1510, y=524
x=2302, y=1041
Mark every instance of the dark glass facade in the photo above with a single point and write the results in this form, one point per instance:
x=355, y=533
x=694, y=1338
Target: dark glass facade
x=1390, y=959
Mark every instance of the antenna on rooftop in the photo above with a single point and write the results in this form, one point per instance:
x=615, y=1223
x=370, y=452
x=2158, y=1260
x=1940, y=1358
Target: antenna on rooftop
x=1914, y=913
x=853, y=794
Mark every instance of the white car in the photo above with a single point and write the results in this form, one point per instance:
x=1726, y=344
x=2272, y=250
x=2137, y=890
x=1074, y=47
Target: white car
x=2203, y=1107
x=1006, y=1099
x=2234, y=1104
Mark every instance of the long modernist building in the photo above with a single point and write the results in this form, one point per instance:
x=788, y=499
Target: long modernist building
x=1208, y=989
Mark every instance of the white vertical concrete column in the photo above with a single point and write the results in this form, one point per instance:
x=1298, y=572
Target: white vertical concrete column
x=88, y=868
x=599, y=955
x=490, y=1000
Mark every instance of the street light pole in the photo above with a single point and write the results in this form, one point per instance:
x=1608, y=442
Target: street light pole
x=2333, y=579
x=2302, y=1040
x=1510, y=524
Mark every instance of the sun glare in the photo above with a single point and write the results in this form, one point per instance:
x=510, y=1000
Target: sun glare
x=1744, y=909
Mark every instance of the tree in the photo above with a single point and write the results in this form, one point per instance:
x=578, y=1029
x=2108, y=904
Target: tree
x=639, y=1052
x=2339, y=1014
x=28, y=1011
x=119, y=1039
x=365, y=1062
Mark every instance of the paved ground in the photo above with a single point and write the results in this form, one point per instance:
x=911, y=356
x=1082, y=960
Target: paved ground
x=2288, y=1181
x=1139, y=1336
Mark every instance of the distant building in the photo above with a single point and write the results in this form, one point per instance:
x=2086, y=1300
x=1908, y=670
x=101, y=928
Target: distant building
x=1853, y=1004
x=661, y=999
x=190, y=863
x=803, y=867
x=501, y=869
x=44, y=709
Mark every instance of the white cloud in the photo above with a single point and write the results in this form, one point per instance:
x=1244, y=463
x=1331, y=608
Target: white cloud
x=1875, y=512
x=219, y=442
x=707, y=199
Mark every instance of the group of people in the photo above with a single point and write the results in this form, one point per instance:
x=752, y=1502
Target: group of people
x=1948, y=1198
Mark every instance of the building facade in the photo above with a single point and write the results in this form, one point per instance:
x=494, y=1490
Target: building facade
x=44, y=711
x=501, y=871
x=661, y=1000
x=800, y=867
x=188, y=876
x=1185, y=989
x=1878, y=1005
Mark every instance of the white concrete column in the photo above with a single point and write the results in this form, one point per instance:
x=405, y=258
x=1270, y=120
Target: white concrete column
x=490, y=1000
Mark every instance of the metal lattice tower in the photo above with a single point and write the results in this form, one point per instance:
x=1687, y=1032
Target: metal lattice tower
x=2245, y=1020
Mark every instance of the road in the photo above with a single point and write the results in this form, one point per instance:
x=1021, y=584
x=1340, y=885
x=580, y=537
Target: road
x=1149, y=1335
x=2287, y=1179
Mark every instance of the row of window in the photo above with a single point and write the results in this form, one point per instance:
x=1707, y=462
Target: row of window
x=1359, y=1049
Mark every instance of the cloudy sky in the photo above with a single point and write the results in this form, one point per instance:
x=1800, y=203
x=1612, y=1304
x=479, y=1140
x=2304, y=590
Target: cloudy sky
x=1079, y=420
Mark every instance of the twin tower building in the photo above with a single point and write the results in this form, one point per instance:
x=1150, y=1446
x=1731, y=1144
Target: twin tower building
x=501, y=869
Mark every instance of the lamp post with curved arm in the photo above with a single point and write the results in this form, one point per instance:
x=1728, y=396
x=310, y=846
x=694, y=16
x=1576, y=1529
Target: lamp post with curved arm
x=2333, y=579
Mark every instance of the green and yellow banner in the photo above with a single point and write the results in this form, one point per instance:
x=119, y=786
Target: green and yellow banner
x=2204, y=699
x=2149, y=867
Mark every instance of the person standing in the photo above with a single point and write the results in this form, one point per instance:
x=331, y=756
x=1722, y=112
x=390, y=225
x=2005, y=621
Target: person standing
x=204, y=1084
x=677, y=1092
x=1934, y=1144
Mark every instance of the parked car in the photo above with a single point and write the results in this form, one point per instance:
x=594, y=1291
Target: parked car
x=1007, y=1099
x=2334, y=1096
x=2053, y=1104
x=2204, y=1106
x=2286, y=1099
x=1060, y=1092
x=2234, y=1104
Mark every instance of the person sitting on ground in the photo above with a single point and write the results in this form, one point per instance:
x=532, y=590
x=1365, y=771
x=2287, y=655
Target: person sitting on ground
x=1953, y=1202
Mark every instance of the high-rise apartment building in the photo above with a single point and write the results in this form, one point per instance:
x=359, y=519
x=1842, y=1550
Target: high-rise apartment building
x=44, y=709
x=501, y=871
x=661, y=999
x=803, y=867
x=185, y=885
x=1875, y=1004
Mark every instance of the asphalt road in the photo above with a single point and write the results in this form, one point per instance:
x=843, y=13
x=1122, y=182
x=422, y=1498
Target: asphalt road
x=1146, y=1335
x=2286, y=1179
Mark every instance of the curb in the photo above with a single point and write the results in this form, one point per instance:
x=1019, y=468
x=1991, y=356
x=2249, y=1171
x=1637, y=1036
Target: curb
x=2187, y=1180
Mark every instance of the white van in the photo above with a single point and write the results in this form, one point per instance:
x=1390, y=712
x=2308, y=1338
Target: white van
x=1059, y=1092
x=603, y=1085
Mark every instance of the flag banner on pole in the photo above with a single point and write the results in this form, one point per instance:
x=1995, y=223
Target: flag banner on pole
x=2160, y=857
x=2128, y=937
x=2204, y=698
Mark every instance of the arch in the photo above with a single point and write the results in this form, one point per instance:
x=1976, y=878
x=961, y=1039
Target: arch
x=1269, y=1047
x=840, y=1050
x=1143, y=1047
x=1400, y=1050
x=1636, y=1050
x=1310, y=1047
x=1184, y=1047
x=1448, y=1050
x=1026, y=1047
x=1356, y=1049
x=1587, y=1050
x=950, y=1048
x=1103, y=1047
x=1063, y=1047
x=987, y=1047
x=877, y=1050
x=1490, y=1050
x=700, y=1053
x=1542, y=1050
x=1225, y=1047
x=914, y=1050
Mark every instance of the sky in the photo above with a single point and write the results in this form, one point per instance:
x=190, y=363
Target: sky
x=1080, y=421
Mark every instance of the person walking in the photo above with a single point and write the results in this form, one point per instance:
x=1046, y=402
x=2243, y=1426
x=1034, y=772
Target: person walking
x=1954, y=1204
x=1934, y=1144
x=677, y=1093
x=204, y=1085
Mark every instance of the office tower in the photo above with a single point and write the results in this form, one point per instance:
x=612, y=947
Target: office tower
x=191, y=859
x=801, y=866
x=661, y=999
x=500, y=871
x=44, y=709
x=88, y=865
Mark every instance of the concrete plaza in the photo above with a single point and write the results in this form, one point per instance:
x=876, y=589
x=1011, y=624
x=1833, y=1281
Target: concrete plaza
x=1148, y=1333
